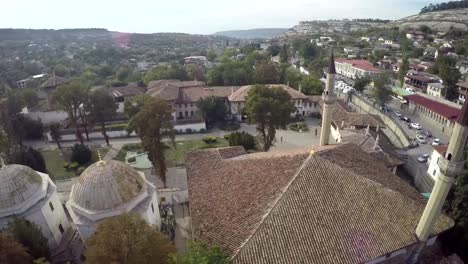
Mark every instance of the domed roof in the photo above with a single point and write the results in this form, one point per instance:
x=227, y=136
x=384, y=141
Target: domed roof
x=105, y=185
x=18, y=184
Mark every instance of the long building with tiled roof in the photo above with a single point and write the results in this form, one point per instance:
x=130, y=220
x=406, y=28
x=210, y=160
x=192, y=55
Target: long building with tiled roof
x=321, y=205
x=355, y=68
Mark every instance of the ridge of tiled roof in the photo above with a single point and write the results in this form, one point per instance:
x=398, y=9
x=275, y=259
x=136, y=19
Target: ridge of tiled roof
x=239, y=203
x=241, y=94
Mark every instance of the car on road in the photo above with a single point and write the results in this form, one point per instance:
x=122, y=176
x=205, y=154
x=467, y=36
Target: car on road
x=405, y=119
x=426, y=133
x=421, y=139
x=424, y=158
x=436, y=142
x=398, y=114
x=416, y=125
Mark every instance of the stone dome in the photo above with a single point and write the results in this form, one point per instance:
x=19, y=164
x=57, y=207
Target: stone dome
x=106, y=185
x=18, y=184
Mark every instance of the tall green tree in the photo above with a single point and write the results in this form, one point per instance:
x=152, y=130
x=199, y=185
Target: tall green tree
x=153, y=124
x=201, y=254
x=55, y=133
x=29, y=157
x=404, y=67
x=266, y=73
x=70, y=97
x=380, y=90
x=212, y=109
x=30, y=98
x=269, y=109
x=135, y=242
x=308, y=51
x=284, y=54
x=102, y=108
x=361, y=83
x=30, y=235
x=293, y=77
x=11, y=251
x=311, y=86
x=61, y=70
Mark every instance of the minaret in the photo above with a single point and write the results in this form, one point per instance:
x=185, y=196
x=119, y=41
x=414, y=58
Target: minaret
x=451, y=164
x=328, y=97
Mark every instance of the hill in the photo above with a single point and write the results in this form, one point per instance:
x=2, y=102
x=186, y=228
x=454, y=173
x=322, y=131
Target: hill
x=257, y=33
x=438, y=20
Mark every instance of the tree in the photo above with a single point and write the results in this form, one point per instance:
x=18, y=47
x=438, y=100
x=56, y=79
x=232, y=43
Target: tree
x=4, y=142
x=70, y=97
x=135, y=242
x=212, y=109
x=102, y=107
x=284, y=54
x=266, y=73
x=61, y=70
x=293, y=77
x=201, y=254
x=311, y=86
x=30, y=98
x=153, y=124
x=11, y=251
x=242, y=139
x=195, y=72
x=269, y=109
x=380, y=92
x=30, y=157
x=55, y=133
x=81, y=154
x=123, y=74
x=30, y=235
x=361, y=83
x=308, y=51
x=404, y=67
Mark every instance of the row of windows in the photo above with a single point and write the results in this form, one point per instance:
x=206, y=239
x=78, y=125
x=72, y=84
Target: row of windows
x=185, y=105
x=181, y=114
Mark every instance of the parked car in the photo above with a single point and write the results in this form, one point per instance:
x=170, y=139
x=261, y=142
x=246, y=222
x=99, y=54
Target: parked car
x=405, y=119
x=398, y=114
x=424, y=158
x=416, y=125
x=421, y=139
x=426, y=133
x=436, y=142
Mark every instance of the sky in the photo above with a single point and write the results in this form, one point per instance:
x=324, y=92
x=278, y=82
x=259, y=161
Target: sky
x=192, y=16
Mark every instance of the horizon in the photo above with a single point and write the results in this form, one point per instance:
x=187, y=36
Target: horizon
x=204, y=17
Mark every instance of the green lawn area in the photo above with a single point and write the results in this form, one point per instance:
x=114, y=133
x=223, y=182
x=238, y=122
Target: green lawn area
x=175, y=156
x=55, y=160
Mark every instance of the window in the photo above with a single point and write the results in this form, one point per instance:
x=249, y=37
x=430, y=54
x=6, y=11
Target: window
x=192, y=113
x=434, y=172
x=163, y=199
x=61, y=229
x=185, y=105
x=191, y=104
x=186, y=113
x=152, y=207
x=51, y=206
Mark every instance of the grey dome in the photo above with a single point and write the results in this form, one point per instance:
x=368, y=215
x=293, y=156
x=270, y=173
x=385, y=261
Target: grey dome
x=106, y=185
x=18, y=184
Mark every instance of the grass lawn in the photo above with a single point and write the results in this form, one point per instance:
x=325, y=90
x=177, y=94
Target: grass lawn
x=175, y=156
x=55, y=160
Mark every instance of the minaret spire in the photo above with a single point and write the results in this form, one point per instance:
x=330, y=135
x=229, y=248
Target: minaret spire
x=328, y=97
x=451, y=164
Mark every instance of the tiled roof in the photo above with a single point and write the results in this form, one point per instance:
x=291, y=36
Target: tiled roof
x=341, y=112
x=193, y=94
x=18, y=184
x=440, y=148
x=53, y=82
x=241, y=94
x=419, y=78
x=442, y=109
x=359, y=64
x=127, y=91
x=324, y=206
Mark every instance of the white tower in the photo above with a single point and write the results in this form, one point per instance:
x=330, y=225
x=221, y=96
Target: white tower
x=328, y=97
x=451, y=164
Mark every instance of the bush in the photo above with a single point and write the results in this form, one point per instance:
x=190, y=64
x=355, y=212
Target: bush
x=81, y=154
x=226, y=137
x=297, y=118
x=29, y=157
x=242, y=139
x=80, y=170
x=188, y=130
x=299, y=127
x=210, y=139
x=73, y=165
x=132, y=159
x=202, y=130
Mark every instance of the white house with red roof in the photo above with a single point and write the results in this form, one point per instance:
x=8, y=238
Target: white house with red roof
x=355, y=68
x=434, y=169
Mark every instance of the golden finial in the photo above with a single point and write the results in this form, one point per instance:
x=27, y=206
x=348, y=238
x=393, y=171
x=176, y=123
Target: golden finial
x=100, y=158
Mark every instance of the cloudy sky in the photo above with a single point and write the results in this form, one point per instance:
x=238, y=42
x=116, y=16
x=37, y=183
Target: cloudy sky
x=192, y=16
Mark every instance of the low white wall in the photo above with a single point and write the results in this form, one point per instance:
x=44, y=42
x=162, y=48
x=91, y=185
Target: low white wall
x=196, y=127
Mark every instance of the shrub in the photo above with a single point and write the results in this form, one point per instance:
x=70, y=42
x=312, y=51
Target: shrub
x=226, y=137
x=210, y=139
x=66, y=165
x=188, y=130
x=73, y=165
x=242, y=139
x=80, y=170
x=29, y=157
x=298, y=127
x=202, y=130
x=132, y=159
x=81, y=154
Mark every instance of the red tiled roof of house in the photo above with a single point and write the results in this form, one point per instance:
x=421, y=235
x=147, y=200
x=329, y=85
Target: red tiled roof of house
x=360, y=64
x=327, y=205
x=442, y=109
x=241, y=94
x=441, y=148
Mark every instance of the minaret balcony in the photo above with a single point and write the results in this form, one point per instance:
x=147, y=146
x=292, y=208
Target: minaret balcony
x=450, y=168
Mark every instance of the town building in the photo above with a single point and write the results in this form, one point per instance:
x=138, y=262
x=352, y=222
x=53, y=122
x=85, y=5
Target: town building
x=25, y=82
x=433, y=169
x=304, y=105
x=462, y=92
x=125, y=93
x=438, y=112
x=462, y=66
x=198, y=60
x=48, y=87
x=415, y=35
x=355, y=68
x=32, y=195
x=436, y=89
x=419, y=80
x=110, y=188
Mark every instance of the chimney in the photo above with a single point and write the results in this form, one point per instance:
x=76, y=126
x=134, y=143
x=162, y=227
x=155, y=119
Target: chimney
x=451, y=165
x=342, y=124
